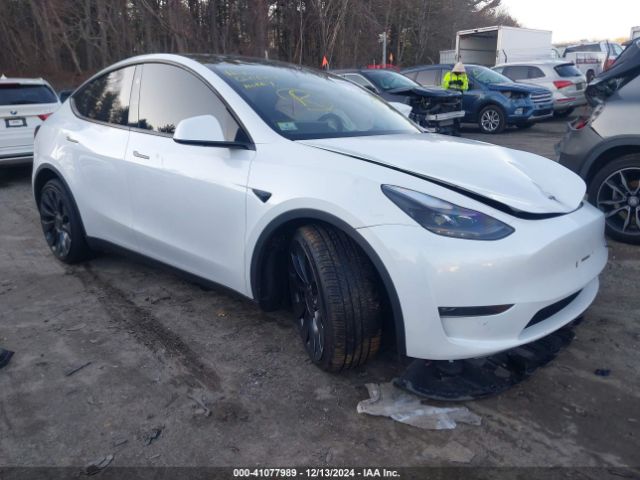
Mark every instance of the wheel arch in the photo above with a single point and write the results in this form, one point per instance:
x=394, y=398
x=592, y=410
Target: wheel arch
x=46, y=172
x=266, y=271
x=606, y=152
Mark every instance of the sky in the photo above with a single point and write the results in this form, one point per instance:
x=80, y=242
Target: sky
x=573, y=20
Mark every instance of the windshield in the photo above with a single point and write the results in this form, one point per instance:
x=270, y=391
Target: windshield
x=302, y=104
x=25, y=94
x=386, y=80
x=486, y=75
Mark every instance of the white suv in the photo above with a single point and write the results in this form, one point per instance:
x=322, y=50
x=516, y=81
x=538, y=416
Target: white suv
x=566, y=83
x=24, y=105
x=296, y=187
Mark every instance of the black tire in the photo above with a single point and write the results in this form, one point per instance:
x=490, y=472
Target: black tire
x=491, y=119
x=590, y=76
x=563, y=113
x=525, y=126
x=61, y=223
x=336, y=298
x=620, y=201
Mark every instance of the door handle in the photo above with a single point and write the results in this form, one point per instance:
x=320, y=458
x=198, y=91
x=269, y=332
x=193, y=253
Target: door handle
x=71, y=139
x=140, y=155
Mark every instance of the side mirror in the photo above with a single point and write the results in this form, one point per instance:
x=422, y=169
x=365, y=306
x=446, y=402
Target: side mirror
x=205, y=131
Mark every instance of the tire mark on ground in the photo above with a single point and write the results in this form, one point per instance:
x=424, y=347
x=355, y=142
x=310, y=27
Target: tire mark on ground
x=146, y=328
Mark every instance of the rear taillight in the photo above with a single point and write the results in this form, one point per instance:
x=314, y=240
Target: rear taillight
x=560, y=84
x=44, y=116
x=609, y=63
x=583, y=121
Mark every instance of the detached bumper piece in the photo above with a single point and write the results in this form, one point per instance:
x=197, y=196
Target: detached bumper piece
x=462, y=380
x=5, y=356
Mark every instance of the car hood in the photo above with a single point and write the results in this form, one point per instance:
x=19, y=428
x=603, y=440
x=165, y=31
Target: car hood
x=515, y=87
x=425, y=92
x=521, y=181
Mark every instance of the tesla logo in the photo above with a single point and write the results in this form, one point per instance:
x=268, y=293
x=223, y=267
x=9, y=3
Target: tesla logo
x=13, y=112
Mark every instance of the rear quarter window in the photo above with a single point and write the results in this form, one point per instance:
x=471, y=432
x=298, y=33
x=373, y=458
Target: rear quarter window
x=23, y=94
x=106, y=98
x=567, y=70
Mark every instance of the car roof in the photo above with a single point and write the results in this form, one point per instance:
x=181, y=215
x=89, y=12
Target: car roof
x=551, y=63
x=23, y=81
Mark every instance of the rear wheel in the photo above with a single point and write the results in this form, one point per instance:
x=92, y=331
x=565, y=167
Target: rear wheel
x=615, y=190
x=61, y=223
x=335, y=296
x=491, y=119
x=590, y=75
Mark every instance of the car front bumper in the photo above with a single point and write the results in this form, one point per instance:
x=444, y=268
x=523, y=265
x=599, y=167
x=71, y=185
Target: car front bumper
x=542, y=263
x=531, y=114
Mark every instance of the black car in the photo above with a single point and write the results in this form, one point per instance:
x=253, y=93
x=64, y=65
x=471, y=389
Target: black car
x=434, y=109
x=604, y=147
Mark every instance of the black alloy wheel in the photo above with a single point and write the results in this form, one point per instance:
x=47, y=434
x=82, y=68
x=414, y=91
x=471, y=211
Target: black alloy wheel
x=307, y=304
x=335, y=298
x=61, y=223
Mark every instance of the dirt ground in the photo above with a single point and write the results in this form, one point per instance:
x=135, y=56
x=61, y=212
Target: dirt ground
x=158, y=352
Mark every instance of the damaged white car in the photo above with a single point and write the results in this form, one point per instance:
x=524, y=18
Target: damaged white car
x=297, y=188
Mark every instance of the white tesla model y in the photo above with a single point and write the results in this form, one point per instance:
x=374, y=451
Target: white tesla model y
x=297, y=188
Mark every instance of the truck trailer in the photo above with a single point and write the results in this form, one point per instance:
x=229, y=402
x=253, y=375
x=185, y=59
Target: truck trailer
x=490, y=46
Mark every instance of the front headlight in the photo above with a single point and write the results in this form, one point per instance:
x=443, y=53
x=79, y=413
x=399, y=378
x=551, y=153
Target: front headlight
x=444, y=218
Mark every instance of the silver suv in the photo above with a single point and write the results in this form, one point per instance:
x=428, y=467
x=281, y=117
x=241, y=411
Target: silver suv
x=566, y=82
x=604, y=148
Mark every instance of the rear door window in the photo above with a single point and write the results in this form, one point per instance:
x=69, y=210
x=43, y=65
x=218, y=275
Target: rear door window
x=358, y=79
x=170, y=94
x=429, y=77
x=106, y=99
x=535, y=72
x=25, y=94
x=517, y=72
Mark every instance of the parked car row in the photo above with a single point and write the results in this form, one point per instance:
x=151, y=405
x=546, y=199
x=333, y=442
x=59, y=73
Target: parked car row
x=435, y=109
x=493, y=101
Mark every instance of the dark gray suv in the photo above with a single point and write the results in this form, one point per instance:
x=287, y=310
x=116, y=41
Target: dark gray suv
x=604, y=148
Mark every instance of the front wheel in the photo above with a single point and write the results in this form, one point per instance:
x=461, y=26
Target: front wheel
x=491, y=119
x=615, y=190
x=335, y=297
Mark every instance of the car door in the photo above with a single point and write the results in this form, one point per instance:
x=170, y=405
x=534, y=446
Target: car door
x=188, y=201
x=97, y=145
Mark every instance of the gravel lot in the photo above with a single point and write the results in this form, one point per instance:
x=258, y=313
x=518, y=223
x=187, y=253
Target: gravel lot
x=159, y=347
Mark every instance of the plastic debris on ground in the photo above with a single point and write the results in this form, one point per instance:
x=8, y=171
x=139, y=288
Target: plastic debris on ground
x=463, y=380
x=389, y=401
x=98, y=465
x=5, y=356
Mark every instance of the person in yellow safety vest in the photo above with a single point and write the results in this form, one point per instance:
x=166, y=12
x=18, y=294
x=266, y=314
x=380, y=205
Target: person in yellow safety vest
x=456, y=79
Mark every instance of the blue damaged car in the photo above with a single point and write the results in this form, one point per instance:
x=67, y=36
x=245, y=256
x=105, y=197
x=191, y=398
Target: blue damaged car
x=493, y=101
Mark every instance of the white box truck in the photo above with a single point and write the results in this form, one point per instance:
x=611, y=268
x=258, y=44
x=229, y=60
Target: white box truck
x=635, y=33
x=490, y=46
